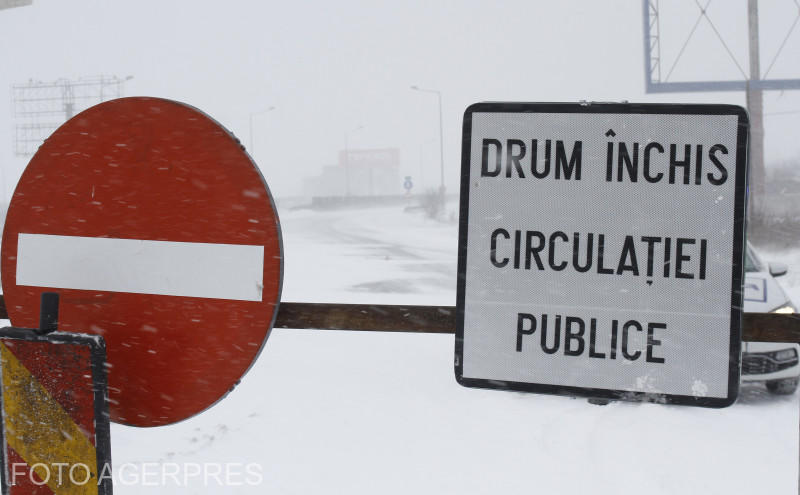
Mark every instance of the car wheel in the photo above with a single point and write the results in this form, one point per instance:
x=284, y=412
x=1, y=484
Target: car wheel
x=782, y=387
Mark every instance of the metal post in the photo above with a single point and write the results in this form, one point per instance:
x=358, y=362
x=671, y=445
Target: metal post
x=441, y=147
x=347, y=160
x=346, y=168
x=441, y=137
x=421, y=166
x=755, y=106
x=69, y=100
x=48, y=313
x=646, y=38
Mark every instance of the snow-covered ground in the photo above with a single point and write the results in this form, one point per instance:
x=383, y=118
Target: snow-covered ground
x=367, y=413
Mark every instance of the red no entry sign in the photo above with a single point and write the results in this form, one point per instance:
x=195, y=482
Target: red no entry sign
x=160, y=234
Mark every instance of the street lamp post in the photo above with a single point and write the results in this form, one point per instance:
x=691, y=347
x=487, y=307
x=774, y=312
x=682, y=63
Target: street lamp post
x=441, y=143
x=347, y=160
x=422, y=162
x=254, y=114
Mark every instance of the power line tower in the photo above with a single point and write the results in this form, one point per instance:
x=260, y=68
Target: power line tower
x=753, y=84
x=40, y=107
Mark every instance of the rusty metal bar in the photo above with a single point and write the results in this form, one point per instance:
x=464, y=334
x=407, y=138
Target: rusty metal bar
x=369, y=317
x=757, y=327
x=771, y=327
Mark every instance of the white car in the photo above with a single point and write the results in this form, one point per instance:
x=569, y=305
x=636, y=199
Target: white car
x=773, y=363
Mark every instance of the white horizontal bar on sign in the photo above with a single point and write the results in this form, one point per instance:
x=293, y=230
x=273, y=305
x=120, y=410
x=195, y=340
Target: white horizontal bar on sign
x=189, y=269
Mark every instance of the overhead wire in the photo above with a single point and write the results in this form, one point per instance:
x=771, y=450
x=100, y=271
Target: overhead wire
x=794, y=25
x=685, y=43
x=719, y=36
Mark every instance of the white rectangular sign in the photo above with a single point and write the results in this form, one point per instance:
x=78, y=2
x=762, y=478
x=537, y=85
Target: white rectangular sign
x=600, y=250
x=186, y=269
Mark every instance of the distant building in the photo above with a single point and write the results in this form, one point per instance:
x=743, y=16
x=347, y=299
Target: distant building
x=372, y=172
x=329, y=183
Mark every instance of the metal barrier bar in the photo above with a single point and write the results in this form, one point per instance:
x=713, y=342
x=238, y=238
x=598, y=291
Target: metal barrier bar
x=756, y=327
x=367, y=317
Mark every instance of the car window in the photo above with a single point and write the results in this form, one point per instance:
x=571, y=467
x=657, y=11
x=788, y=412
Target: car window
x=750, y=262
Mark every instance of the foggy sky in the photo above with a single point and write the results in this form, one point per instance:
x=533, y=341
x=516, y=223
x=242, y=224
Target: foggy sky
x=330, y=67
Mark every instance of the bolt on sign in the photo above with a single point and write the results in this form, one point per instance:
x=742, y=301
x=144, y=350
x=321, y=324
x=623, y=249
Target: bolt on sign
x=600, y=250
x=159, y=233
x=55, y=431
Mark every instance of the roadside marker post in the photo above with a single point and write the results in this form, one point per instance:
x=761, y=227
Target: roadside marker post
x=55, y=430
x=408, y=185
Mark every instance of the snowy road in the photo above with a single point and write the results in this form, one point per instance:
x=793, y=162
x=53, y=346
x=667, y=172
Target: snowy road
x=379, y=256
x=361, y=413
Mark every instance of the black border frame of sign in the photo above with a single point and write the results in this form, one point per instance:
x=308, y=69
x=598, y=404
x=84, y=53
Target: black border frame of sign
x=739, y=219
x=102, y=431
